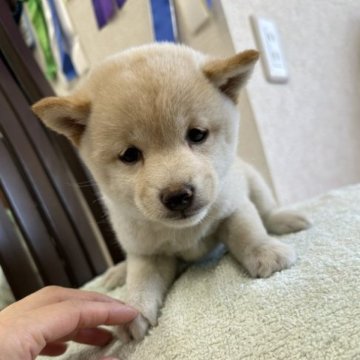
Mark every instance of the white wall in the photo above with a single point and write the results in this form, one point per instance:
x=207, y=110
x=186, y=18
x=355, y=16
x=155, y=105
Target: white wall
x=310, y=127
x=130, y=26
x=303, y=136
x=214, y=38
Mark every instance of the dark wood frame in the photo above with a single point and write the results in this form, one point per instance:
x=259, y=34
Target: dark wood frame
x=63, y=224
x=36, y=235
x=34, y=85
x=17, y=264
x=46, y=198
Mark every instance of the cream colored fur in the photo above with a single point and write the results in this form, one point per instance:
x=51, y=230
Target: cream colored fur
x=149, y=97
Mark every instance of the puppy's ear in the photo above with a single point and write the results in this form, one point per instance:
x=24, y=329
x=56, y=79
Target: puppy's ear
x=230, y=74
x=66, y=115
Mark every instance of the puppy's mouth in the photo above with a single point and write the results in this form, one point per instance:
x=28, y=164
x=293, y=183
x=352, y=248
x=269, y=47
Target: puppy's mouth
x=185, y=214
x=186, y=218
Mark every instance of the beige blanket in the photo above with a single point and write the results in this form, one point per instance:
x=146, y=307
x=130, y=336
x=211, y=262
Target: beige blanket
x=6, y=296
x=311, y=311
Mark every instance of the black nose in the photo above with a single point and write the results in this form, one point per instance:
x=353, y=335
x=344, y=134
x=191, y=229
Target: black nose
x=177, y=199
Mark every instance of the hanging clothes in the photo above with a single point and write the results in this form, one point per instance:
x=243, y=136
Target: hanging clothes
x=78, y=57
x=164, y=22
x=62, y=44
x=26, y=30
x=120, y=3
x=53, y=42
x=38, y=21
x=104, y=10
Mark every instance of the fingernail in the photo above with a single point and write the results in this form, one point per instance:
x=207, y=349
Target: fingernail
x=131, y=309
x=126, y=313
x=128, y=308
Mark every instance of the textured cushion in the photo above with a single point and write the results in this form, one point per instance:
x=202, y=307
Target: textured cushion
x=311, y=311
x=6, y=296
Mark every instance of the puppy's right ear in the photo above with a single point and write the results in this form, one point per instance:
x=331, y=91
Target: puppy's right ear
x=230, y=74
x=66, y=115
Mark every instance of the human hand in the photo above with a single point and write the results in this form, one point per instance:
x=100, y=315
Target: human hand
x=42, y=322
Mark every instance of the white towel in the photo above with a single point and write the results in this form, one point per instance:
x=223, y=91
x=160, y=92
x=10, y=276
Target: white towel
x=311, y=311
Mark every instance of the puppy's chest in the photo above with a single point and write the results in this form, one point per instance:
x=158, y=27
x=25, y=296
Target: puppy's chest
x=203, y=247
x=188, y=244
x=192, y=245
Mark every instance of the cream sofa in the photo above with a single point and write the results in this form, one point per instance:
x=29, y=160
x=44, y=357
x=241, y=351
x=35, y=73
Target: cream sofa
x=311, y=311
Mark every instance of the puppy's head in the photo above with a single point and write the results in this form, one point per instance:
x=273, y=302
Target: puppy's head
x=157, y=126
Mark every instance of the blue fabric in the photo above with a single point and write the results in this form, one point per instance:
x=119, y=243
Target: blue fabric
x=206, y=261
x=162, y=23
x=64, y=48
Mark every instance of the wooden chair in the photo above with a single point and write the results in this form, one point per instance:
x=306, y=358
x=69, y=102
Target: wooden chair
x=52, y=230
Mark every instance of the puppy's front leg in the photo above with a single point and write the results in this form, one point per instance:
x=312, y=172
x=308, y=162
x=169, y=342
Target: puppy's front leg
x=249, y=243
x=148, y=279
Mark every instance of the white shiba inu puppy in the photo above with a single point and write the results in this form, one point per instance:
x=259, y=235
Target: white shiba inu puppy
x=158, y=128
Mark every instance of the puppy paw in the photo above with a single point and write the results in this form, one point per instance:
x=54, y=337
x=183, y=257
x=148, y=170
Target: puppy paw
x=114, y=277
x=122, y=332
x=135, y=330
x=267, y=258
x=285, y=222
x=139, y=327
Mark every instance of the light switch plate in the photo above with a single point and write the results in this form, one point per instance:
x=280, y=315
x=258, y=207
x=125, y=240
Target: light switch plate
x=272, y=55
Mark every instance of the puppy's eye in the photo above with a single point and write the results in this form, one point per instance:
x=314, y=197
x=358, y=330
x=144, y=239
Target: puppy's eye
x=197, y=135
x=130, y=155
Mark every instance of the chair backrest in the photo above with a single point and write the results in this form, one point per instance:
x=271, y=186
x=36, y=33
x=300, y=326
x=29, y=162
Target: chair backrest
x=59, y=226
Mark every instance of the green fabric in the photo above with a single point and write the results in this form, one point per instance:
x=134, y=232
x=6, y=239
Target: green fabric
x=38, y=20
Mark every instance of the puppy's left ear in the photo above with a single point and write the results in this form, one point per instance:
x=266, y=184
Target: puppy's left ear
x=229, y=75
x=66, y=115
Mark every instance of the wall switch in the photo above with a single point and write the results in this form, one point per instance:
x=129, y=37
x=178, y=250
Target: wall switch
x=272, y=55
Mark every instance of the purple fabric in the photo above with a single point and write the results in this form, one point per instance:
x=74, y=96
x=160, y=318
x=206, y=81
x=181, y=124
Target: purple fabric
x=120, y=3
x=104, y=11
x=108, y=9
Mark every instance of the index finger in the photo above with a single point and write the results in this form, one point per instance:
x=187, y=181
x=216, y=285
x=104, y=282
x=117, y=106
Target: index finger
x=56, y=321
x=54, y=294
